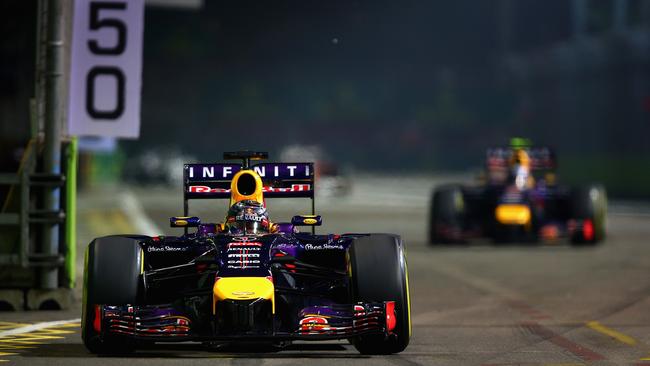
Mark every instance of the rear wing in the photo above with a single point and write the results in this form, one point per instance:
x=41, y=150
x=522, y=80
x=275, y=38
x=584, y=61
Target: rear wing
x=212, y=181
x=541, y=158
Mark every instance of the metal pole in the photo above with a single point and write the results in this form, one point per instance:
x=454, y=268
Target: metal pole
x=52, y=150
x=39, y=88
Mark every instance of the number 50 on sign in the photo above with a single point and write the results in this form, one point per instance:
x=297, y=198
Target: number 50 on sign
x=106, y=68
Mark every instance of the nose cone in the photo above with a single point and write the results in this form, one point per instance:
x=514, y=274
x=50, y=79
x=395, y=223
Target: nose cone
x=513, y=214
x=244, y=288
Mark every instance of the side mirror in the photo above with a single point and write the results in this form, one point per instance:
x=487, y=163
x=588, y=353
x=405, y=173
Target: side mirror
x=184, y=221
x=306, y=220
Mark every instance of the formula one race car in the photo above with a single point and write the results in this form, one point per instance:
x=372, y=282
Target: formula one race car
x=246, y=279
x=519, y=200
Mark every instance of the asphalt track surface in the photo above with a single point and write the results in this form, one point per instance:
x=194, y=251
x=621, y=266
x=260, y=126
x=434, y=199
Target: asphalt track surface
x=482, y=304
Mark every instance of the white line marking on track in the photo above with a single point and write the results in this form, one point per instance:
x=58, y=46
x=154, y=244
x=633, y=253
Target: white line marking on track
x=630, y=214
x=136, y=214
x=37, y=326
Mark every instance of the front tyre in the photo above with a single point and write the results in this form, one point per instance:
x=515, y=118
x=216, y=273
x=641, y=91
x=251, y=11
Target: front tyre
x=446, y=215
x=112, y=276
x=378, y=273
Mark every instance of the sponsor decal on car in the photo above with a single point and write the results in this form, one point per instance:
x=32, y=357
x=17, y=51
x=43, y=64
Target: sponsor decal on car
x=249, y=217
x=225, y=171
x=243, y=293
x=244, y=255
x=239, y=249
x=244, y=246
x=323, y=246
x=266, y=189
x=166, y=248
x=245, y=239
x=239, y=244
x=286, y=246
x=313, y=324
x=359, y=310
x=245, y=261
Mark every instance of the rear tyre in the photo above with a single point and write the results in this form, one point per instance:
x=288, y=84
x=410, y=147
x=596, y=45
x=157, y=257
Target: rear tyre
x=589, y=211
x=112, y=276
x=378, y=273
x=446, y=216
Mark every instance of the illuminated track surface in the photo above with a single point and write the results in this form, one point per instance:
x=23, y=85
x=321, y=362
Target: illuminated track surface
x=477, y=305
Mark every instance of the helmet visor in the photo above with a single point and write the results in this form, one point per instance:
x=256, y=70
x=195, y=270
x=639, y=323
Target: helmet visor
x=242, y=227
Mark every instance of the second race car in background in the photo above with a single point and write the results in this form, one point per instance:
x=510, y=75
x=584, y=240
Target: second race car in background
x=518, y=200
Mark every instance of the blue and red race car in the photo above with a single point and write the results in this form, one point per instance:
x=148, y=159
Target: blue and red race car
x=247, y=279
x=519, y=200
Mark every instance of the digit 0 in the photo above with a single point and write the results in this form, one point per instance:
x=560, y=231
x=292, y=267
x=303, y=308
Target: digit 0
x=109, y=71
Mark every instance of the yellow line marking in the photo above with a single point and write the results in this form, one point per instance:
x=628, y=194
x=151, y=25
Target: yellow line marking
x=34, y=340
x=612, y=333
x=29, y=338
x=12, y=347
x=7, y=325
x=52, y=331
x=17, y=337
x=35, y=337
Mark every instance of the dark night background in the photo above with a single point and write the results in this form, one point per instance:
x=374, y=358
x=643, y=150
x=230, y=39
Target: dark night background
x=408, y=86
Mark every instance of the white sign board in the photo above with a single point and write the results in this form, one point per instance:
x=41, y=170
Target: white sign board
x=106, y=68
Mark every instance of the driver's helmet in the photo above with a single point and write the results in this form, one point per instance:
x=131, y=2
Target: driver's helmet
x=520, y=159
x=247, y=217
x=520, y=167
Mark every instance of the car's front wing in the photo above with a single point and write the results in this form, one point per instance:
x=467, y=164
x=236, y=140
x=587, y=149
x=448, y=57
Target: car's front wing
x=165, y=323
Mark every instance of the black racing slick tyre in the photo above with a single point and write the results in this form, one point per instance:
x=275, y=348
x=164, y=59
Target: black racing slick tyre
x=112, y=276
x=589, y=211
x=446, y=215
x=378, y=273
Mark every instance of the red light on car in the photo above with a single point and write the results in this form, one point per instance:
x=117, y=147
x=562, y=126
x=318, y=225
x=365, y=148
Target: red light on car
x=391, y=321
x=588, y=230
x=97, y=322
